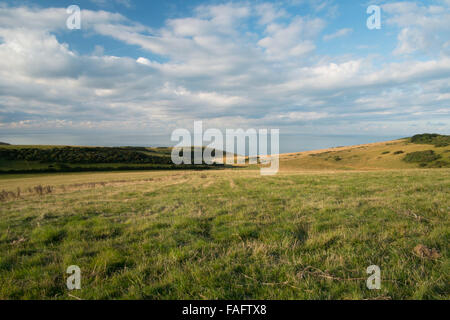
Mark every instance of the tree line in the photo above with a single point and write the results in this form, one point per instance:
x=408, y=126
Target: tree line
x=84, y=155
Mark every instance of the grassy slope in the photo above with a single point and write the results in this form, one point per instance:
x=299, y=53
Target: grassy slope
x=363, y=157
x=227, y=234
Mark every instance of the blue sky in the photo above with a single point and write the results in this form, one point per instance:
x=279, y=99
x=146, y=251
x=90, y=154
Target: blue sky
x=137, y=70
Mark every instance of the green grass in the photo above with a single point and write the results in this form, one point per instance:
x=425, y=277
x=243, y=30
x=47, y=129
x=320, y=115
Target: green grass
x=229, y=234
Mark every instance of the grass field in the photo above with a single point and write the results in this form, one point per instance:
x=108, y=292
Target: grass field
x=227, y=234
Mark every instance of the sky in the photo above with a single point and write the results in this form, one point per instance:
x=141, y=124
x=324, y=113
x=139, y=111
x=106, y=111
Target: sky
x=137, y=70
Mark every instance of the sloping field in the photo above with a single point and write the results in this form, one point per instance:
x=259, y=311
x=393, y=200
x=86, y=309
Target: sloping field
x=227, y=234
x=374, y=156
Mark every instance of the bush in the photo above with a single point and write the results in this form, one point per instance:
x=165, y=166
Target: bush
x=399, y=152
x=421, y=156
x=431, y=138
x=440, y=164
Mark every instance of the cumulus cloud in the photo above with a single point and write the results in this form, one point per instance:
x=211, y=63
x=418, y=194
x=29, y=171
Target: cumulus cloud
x=232, y=64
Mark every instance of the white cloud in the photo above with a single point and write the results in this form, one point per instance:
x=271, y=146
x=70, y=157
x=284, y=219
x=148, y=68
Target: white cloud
x=215, y=67
x=269, y=13
x=423, y=27
x=292, y=40
x=340, y=33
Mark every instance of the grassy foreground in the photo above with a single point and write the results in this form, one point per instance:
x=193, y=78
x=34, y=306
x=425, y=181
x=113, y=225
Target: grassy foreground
x=228, y=234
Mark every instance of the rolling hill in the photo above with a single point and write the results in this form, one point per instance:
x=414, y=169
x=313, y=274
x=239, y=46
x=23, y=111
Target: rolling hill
x=419, y=151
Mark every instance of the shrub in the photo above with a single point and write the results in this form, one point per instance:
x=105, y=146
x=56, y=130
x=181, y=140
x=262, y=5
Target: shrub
x=440, y=164
x=421, y=156
x=431, y=138
x=399, y=152
x=385, y=152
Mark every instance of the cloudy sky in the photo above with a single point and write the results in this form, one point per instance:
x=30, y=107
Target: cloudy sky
x=137, y=70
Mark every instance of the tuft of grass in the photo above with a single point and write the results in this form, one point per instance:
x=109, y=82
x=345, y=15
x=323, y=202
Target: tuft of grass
x=111, y=261
x=47, y=235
